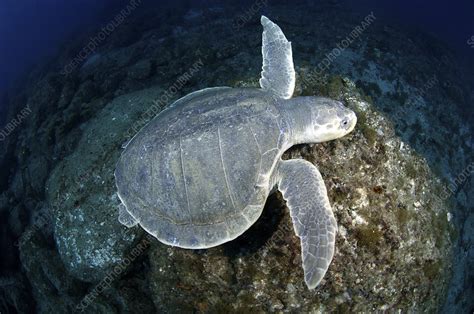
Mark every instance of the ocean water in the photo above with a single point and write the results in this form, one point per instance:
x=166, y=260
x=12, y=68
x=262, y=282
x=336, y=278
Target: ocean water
x=100, y=190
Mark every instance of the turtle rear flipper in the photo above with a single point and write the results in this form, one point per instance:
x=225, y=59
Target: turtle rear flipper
x=303, y=188
x=125, y=218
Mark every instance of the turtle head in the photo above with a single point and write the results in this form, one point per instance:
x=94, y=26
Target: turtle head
x=330, y=119
x=320, y=119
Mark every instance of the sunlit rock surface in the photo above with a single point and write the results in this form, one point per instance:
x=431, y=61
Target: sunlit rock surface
x=82, y=194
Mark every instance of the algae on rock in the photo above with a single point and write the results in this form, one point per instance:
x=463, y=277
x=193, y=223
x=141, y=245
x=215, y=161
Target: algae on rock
x=82, y=195
x=388, y=242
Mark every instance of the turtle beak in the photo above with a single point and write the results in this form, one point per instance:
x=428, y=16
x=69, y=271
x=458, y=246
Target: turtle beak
x=353, y=121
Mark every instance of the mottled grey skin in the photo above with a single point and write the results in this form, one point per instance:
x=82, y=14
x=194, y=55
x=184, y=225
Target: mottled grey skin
x=199, y=173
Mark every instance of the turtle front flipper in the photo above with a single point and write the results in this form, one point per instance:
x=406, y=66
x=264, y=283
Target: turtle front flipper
x=278, y=72
x=305, y=193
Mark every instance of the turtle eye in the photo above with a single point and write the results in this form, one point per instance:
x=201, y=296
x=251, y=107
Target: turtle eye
x=345, y=123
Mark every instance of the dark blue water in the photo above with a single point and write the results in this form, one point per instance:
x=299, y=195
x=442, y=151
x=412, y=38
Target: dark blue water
x=31, y=30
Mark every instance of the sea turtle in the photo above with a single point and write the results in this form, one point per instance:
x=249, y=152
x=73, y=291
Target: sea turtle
x=198, y=174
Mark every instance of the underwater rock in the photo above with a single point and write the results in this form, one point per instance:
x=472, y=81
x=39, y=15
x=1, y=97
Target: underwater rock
x=3, y=201
x=84, y=94
x=44, y=97
x=17, y=185
x=393, y=246
x=37, y=172
x=56, y=292
x=16, y=219
x=395, y=235
x=140, y=70
x=53, y=291
x=14, y=294
x=91, y=61
x=82, y=194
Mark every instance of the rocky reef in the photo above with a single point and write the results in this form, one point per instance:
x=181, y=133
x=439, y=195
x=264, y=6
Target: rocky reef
x=402, y=228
